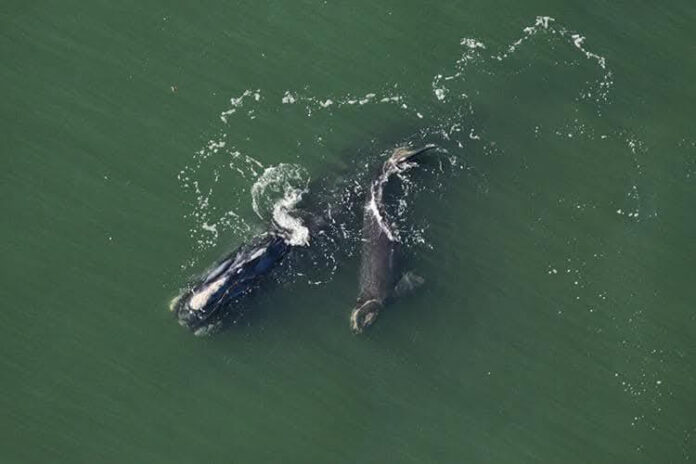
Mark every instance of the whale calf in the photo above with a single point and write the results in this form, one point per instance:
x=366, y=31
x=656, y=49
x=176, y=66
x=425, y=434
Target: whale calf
x=216, y=295
x=378, y=255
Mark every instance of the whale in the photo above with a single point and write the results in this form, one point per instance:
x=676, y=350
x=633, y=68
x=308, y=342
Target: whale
x=217, y=295
x=378, y=258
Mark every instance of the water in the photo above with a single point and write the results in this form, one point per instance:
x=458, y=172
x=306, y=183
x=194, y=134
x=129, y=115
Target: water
x=555, y=233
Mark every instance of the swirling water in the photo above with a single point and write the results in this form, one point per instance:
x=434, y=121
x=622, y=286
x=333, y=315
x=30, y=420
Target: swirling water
x=552, y=227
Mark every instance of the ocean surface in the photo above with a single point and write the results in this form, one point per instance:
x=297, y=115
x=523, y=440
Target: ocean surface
x=554, y=227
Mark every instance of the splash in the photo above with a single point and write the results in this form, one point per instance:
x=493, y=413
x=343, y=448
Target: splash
x=231, y=165
x=279, y=189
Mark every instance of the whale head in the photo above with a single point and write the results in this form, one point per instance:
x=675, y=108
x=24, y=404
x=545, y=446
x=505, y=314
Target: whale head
x=364, y=314
x=217, y=294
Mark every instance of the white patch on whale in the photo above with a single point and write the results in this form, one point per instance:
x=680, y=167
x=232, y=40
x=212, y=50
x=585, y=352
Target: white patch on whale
x=200, y=299
x=391, y=166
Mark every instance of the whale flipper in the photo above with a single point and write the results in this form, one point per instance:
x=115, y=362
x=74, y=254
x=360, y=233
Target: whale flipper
x=408, y=284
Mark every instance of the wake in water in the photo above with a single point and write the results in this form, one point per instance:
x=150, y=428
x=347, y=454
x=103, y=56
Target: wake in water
x=276, y=193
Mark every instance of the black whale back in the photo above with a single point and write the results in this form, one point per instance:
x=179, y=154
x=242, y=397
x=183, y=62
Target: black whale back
x=235, y=276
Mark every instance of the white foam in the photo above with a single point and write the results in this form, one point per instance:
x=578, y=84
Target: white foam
x=392, y=99
x=470, y=54
x=471, y=43
x=598, y=90
x=238, y=102
x=210, y=228
x=298, y=233
x=314, y=104
x=290, y=181
x=544, y=21
x=288, y=98
x=367, y=98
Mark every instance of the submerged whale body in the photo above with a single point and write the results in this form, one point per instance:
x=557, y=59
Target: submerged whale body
x=378, y=256
x=215, y=295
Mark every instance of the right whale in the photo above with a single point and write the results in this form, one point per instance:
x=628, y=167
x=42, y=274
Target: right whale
x=377, y=264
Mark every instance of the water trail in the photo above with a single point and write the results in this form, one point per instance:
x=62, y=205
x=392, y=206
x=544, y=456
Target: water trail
x=230, y=166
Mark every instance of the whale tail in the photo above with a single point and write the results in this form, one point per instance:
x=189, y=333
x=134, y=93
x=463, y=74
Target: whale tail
x=403, y=154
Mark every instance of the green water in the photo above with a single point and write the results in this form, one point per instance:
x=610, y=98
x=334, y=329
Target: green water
x=557, y=322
